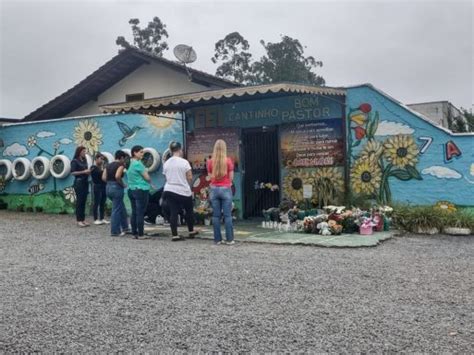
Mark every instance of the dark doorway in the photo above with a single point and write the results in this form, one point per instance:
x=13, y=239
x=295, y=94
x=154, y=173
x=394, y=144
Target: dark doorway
x=261, y=165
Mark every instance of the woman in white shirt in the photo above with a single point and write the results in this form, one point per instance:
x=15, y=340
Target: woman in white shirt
x=177, y=190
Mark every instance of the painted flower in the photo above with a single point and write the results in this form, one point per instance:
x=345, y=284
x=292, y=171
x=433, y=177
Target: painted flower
x=401, y=150
x=332, y=174
x=365, y=108
x=359, y=133
x=365, y=176
x=70, y=194
x=87, y=133
x=293, y=184
x=445, y=205
x=31, y=141
x=358, y=117
x=373, y=149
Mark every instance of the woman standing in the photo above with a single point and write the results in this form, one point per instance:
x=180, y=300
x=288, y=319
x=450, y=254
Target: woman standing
x=139, y=183
x=177, y=190
x=81, y=184
x=98, y=208
x=113, y=175
x=221, y=170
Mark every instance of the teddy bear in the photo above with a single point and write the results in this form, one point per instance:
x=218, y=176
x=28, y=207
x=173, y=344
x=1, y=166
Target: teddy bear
x=323, y=228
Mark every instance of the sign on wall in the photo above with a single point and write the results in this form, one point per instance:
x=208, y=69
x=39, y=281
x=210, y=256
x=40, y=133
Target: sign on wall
x=200, y=144
x=312, y=144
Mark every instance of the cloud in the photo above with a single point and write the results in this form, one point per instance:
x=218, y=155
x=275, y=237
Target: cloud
x=45, y=134
x=65, y=141
x=472, y=169
x=15, y=150
x=390, y=128
x=441, y=172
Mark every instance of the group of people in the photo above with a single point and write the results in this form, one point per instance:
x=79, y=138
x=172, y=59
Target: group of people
x=113, y=179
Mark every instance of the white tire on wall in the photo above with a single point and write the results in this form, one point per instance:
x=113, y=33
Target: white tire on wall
x=151, y=159
x=6, y=169
x=109, y=158
x=166, y=155
x=60, y=166
x=21, y=169
x=127, y=151
x=40, y=168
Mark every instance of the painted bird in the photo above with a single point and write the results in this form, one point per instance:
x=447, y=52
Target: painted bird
x=35, y=188
x=128, y=133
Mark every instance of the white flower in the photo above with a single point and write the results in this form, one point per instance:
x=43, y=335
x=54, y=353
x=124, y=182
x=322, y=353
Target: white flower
x=70, y=194
x=31, y=141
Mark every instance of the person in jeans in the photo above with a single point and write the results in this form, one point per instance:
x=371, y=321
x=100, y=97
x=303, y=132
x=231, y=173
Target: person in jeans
x=139, y=183
x=177, y=190
x=221, y=171
x=113, y=175
x=98, y=188
x=81, y=174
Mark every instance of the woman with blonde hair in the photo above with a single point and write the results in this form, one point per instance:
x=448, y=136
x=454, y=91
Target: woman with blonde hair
x=221, y=171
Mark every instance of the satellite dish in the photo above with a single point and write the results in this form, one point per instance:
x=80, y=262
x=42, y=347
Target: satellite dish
x=186, y=55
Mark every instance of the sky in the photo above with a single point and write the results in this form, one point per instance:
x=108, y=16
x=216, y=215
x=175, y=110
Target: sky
x=415, y=51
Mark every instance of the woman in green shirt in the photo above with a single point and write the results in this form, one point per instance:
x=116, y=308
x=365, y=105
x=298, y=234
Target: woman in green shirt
x=139, y=184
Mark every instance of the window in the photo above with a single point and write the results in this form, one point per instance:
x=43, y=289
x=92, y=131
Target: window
x=134, y=97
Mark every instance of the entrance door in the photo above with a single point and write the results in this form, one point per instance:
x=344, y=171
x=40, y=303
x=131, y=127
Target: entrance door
x=260, y=150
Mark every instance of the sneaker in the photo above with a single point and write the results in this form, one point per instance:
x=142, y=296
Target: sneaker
x=143, y=237
x=127, y=231
x=146, y=222
x=86, y=223
x=230, y=243
x=104, y=221
x=193, y=234
x=122, y=234
x=82, y=224
x=176, y=238
x=218, y=243
x=98, y=222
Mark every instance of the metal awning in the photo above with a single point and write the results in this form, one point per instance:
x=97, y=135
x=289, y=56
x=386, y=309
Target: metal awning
x=182, y=102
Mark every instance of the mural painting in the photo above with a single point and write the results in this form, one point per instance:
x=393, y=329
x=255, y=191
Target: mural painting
x=48, y=147
x=397, y=155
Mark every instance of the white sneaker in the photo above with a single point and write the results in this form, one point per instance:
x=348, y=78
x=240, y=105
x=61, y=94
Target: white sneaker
x=98, y=222
x=104, y=221
x=230, y=243
x=122, y=234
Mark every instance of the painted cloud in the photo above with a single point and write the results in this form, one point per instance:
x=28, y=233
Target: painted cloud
x=441, y=172
x=65, y=141
x=15, y=150
x=45, y=134
x=472, y=169
x=390, y=128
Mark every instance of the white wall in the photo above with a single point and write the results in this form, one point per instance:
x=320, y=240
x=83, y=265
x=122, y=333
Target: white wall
x=154, y=80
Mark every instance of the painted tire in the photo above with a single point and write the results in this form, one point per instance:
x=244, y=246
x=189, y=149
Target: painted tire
x=89, y=160
x=21, y=169
x=6, y=169
x=109, y=158
x=151, y=159
x=166, y=155
x=40, y=168
x=60, y=166
x=127, y=151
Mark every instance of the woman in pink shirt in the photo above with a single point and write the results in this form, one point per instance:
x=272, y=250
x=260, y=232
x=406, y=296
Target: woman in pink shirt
x=221, y=170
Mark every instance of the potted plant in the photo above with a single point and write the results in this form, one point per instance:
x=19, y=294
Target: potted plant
x=458, y=223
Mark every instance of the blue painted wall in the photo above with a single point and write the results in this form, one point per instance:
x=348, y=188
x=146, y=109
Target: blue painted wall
x=440, y=164
x=97, y=133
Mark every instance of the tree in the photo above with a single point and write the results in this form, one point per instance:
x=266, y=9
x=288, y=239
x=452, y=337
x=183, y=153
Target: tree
x=469, y=118
x=284, y=61
x=232, y=53
x=150, y=38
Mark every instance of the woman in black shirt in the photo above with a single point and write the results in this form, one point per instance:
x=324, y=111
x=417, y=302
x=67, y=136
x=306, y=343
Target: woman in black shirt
x=98, y=184
x=81, y=184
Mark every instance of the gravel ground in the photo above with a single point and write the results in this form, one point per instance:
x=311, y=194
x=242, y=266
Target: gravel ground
x=66, y=289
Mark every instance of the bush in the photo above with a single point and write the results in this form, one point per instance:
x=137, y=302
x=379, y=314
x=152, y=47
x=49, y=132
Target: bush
x=414, y=218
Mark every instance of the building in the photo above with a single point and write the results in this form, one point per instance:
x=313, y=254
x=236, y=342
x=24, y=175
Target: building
x=442, y=113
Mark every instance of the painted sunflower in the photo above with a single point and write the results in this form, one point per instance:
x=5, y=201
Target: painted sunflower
x=87, y=133
x=401, y=150
x=446, y=206
x=365, y=176
x=293, y=184
x=373, y=149
x=31, y=141
x=333, y=174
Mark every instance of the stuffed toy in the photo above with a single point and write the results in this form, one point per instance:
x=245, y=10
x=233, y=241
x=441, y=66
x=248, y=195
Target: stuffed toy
x=324, y=228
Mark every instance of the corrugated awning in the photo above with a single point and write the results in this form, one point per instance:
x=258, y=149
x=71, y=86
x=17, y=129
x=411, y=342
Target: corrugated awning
x=183, y=101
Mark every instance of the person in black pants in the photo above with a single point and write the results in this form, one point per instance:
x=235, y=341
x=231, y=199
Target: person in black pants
x=177, y=191
x=81, y=184
x=99, y=194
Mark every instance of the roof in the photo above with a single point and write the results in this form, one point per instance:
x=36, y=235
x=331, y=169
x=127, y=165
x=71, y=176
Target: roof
x=109, y=74
x=184, y=101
